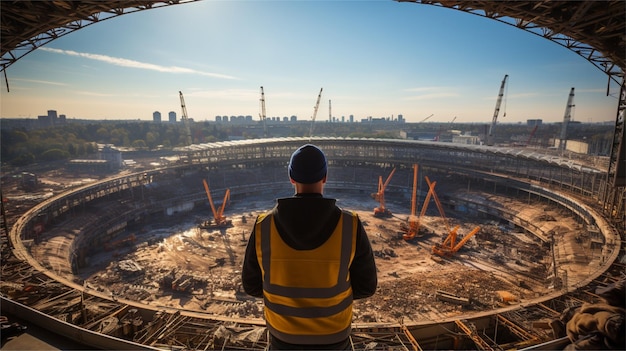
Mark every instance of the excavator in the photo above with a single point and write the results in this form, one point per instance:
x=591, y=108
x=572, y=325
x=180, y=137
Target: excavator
x=381, y=210
x=449, y=246
x=219, y=220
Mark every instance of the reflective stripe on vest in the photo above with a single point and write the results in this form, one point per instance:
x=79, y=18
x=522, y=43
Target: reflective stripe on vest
x=311, y=303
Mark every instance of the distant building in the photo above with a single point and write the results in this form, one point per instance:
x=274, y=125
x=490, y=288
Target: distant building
x=156, y=116
x=534, y=122
x=172, y=116
x=466, y=139
x=50, y=119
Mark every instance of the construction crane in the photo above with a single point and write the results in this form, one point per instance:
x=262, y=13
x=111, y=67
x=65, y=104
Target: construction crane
x=490, y=137
x=330, y=112
x=566, y=118
x=381, y=210
x=262, y=113
x=414, y=221
x=532, y=134
x=431, y=190
x=185, y=119
x=317, y=105
x=219, y=220
x=441, y=129
x=425, y=119
x=449, y=246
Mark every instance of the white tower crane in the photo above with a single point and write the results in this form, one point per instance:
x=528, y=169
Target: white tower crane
x=262, y=114
x=490, y=137
x=185, y=119
x=566, y=118
x=317, y=105
x=330, y=112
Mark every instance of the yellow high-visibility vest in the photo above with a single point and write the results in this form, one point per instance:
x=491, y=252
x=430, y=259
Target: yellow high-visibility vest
x=307, y=293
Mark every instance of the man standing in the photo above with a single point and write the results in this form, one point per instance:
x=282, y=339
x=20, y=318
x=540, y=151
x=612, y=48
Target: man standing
x=309, y=260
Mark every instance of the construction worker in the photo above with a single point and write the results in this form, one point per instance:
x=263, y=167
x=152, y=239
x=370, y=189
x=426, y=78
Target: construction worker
x=309, y=260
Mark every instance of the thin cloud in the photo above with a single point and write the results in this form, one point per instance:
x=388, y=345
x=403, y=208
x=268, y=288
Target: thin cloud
x=90, y=93
x=118, y=61
x=39, y=81
x=429, y=93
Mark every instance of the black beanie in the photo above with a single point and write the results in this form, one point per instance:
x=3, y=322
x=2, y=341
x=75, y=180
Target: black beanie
x=307, y=165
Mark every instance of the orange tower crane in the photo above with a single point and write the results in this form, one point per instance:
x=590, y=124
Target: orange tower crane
x=381, y=210
x=449, y=246
x=219, y=219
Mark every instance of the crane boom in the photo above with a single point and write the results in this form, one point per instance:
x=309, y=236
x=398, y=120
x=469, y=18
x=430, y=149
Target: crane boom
x=317, y=105
x=262, y=114
x=449, y=246
x=381, y=210
x=490, y=137
x=439, y=207
x=330, y=112
x=566, y=119
x=218, y=215
x=208, y=194
x=426, y=119
x=185, y=119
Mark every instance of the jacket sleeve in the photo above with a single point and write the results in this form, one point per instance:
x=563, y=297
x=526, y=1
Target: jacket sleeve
x=251, y=276
x=363, y=269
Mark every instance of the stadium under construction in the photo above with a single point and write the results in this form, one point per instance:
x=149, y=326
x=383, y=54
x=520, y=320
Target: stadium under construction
x=79, y=261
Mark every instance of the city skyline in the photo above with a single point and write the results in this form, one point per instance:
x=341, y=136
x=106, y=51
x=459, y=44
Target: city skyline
x=372, y=58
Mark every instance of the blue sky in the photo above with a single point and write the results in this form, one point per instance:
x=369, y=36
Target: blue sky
x=375, y=58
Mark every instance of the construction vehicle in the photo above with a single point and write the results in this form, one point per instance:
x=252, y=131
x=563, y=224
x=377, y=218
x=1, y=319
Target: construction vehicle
x=219, y=220
x=566, y=119
x=449, y=246
x=185, y=119
x=262, y=115
x=490, y=136
x=381, y=210
x=317, y=105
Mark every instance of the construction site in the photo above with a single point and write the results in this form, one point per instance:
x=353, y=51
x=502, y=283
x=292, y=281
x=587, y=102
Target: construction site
x=488, y=247
x=153, y=256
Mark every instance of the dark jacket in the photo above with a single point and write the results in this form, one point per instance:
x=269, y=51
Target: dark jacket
x=304, y=222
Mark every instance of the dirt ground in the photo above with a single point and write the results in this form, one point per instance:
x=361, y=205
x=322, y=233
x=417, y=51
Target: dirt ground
x=183, y=266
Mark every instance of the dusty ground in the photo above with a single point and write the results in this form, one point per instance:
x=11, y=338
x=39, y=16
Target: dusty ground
x=181, y=266
x=409, y=276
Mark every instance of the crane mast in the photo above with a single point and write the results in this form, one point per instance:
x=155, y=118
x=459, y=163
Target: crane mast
x=566, y=118
x=185, y=119
x=330, y=112
x=262, y=114
x=317, y=105
x=490, y=137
